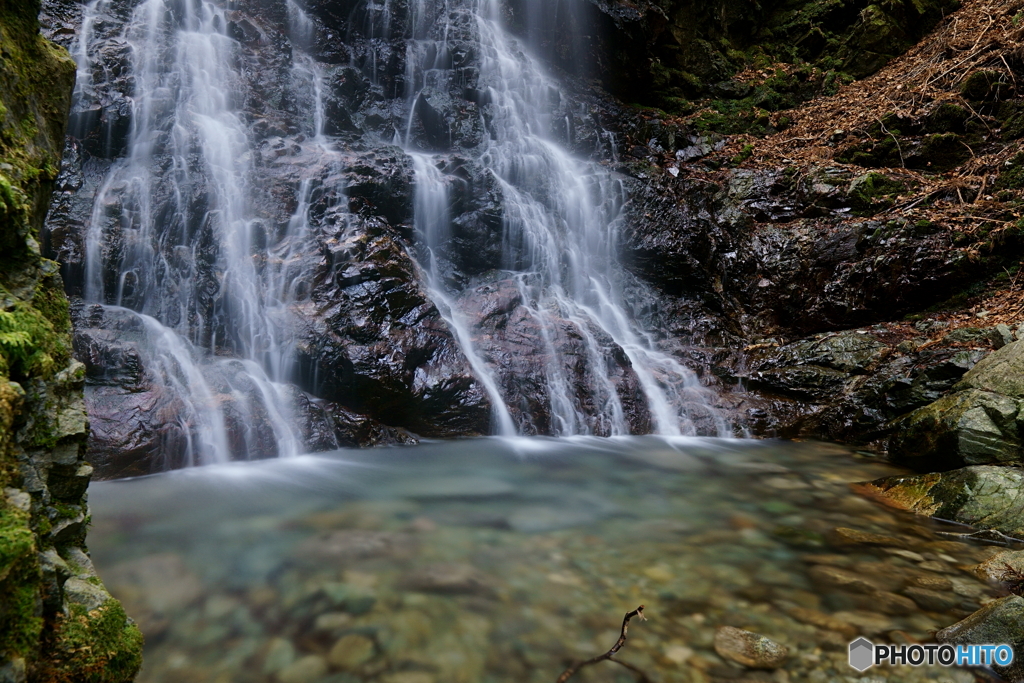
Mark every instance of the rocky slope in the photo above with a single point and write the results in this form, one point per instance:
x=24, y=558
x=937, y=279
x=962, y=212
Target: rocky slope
x=883, y=221
x=57, y=621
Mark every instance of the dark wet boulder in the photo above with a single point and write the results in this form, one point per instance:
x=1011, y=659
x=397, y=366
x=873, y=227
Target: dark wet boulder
x=372, y=339
x=967, y=427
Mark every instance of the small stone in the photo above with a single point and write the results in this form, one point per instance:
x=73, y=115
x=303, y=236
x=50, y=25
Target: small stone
x=351, y=651
x=332, y=621
x=931, y=582
x=842, y=579
x=888, y=603
x=867, y=623
x=822, y=620
x=19, y=499
x=280, y=655
x=84, y=593
x=749, y=649
x=1004, y=566
x=309, y=669
x=659, y=573
x=846, y=536
x=906, y=554
x=1002, y=336
x=931, y=601
x=678, y=654
x=451, y=578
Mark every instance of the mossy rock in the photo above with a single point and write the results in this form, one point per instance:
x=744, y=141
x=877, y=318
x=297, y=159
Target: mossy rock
x=985, y=86
x=997, y=622
x=1002, y=372
x=38, y=640
x=939, y=152
x=873, y=191
x=964, y=428
x=21, y=622
x=1012, y=176
x=100, y=645
x=696, y=52
x=986, y=496
x=884, y=152
x=947, y=118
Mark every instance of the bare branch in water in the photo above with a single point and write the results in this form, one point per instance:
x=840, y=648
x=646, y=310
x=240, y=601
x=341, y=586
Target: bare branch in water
x=610, y=655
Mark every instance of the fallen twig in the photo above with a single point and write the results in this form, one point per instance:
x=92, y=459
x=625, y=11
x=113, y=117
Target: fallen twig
x=610, y=655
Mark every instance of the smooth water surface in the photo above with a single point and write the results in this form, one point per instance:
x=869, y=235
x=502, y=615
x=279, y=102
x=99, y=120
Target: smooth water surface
x=505, y=559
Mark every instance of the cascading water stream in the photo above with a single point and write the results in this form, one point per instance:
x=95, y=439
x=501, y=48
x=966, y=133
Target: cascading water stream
x=181, y=195
x=561, y=218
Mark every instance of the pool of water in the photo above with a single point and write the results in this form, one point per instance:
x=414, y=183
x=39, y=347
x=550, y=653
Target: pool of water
x=505, y=560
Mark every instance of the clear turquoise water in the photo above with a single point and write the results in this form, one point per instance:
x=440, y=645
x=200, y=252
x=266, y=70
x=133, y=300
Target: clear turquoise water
x=505, y=560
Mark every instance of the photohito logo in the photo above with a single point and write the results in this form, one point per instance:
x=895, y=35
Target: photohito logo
x=864, y=654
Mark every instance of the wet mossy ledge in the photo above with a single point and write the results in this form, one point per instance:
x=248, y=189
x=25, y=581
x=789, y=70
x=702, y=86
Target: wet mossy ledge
x=57, y=622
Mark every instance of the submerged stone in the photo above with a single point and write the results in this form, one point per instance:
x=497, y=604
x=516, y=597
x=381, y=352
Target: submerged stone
x=749, y=649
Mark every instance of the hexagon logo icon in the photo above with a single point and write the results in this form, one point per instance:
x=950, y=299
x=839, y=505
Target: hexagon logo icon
x=862, y=654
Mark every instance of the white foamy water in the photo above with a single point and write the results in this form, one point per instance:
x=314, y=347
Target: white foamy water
x=561, y=221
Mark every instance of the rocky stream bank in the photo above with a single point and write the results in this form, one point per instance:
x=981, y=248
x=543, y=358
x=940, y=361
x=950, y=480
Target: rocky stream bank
x=57, y=621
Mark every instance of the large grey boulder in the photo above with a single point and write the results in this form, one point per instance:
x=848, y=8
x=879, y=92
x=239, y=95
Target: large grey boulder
x=977, y=424
x=999, y=622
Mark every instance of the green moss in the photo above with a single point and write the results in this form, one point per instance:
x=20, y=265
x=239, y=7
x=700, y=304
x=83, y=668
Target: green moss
x=947, y=118
x=743, y=155
x=941, y=152
x=95, y=646
x=51, y=301
x=20, y=620
x=819, y=45
x=1012, y=177
x=871, y=192
x=29, y=343
x=984, y=85
x=880, y=152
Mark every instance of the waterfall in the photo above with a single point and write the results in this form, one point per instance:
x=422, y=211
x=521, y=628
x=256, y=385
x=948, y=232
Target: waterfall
x=561, y=220
x=221, y=344
x=264, y=141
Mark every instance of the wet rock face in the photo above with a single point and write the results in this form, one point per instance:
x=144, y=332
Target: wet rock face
x=997, y=622
x=777, y=250
x=372, y=339
x=509, y=336
x=371, y=345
